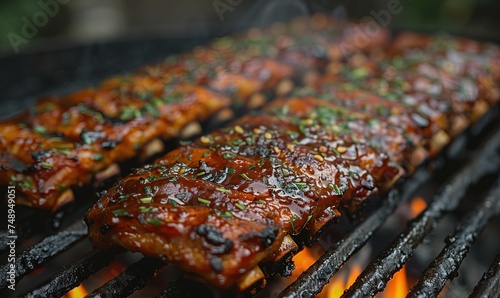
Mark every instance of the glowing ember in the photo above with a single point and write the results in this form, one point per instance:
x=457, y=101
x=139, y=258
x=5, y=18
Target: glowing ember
x=397, y=287
x=417, y=206
x=334, y=289
x=302, y=261
x=340, y=283
x=77, y=292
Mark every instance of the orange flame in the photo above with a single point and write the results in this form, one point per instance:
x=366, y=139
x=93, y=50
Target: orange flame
x=417, y=205
x=397, y=287
x=302, y=261
x=78, y=292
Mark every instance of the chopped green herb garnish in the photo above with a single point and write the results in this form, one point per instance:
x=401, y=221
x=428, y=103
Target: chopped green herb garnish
x=351, y=174
x=200, y=173
x=46, y=165
x=241, y=206
x=222, y=189
x=121, y=212
x=203, y=201
x=61, y=187
x=98, y=157
x=261, y=201
x=206, y=154
x=308, y=219
x=25, y=184
x=185, y=143
x=292, y=223
x=154, y=221
x=40, y=129
x=227, y=155
x=251, y=167
x=230, y=170
x=146, y=200
x=172, y=202
x=300, y=185
x=245, y=176
x=145, y=209
x=335, y=188
x=147, y=190
x=227, y=214
x=123, y=198
x=129, y=113
x=292, y=134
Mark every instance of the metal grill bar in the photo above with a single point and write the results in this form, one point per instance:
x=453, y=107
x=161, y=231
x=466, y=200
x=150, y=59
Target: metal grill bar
x=130, y=280
x=490, y=282
x=43, y=251
x=312, y=281
x=71, y=276
x=446, y=265
x=375, y=277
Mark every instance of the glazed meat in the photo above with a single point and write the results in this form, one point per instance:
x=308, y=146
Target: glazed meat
x=63, y=143
x=225, y=203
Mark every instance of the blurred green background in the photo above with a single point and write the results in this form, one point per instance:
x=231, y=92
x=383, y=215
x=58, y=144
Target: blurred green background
x=81, y=21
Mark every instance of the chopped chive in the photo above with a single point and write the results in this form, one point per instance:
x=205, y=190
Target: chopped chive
x=146, y=200
x=261, y=201
x=25, y=184
x=241, y=206
x=172, y=202
x=227, y=156
x=335, y=188
x=227, y=214
x=123, y=198
x=300, y=185
x=200, y=174
x=203, y=201
x=222, y=189
x=154, y=221
x=147, y=190
x=40, y=129
x=46, y=165
x=292, y=223
x=144, y=209
x=292, y=134
x=245, y=176
x=121, y=212
x=308, y=219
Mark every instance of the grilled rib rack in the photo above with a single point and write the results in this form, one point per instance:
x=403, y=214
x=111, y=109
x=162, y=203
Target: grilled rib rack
x=483, y=162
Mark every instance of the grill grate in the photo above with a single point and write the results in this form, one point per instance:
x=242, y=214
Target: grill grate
x=446, y=265
x=490, y=282
x=130, y=280
x=375, y=277
x=372, y=280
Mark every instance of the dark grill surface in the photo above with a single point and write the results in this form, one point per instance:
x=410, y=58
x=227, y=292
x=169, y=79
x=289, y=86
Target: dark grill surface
x=483, y=163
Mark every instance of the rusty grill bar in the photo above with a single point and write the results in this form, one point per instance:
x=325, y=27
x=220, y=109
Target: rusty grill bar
x=373, y=279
